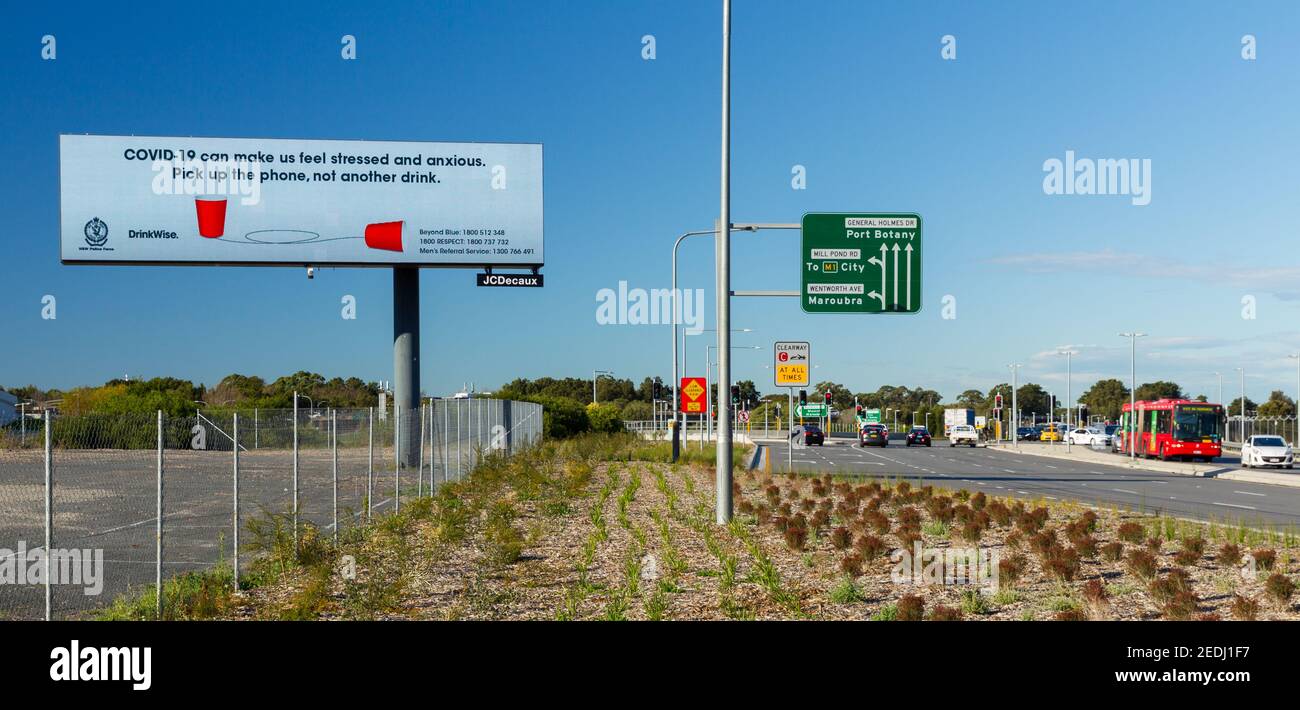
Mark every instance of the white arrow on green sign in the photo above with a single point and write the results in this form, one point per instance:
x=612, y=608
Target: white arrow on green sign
x=809, y=411
x=860, y=263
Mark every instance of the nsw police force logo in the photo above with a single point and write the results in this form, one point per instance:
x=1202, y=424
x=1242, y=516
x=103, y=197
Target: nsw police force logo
x=96, y=232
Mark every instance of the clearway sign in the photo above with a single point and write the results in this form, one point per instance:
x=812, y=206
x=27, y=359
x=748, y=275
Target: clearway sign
x=791, y=364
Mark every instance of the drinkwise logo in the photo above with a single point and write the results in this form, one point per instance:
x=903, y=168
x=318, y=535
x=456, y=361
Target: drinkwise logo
x=92, y=663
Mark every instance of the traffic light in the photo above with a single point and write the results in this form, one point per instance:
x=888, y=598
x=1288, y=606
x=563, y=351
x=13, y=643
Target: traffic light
x=828, y=398
x=803, y=397
x=858, y=407
x=658, y=390
x=997, y=402
x=735, y=394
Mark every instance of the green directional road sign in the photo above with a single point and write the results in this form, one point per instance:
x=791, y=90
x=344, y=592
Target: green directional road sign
x=810, y=411
x=860, y=263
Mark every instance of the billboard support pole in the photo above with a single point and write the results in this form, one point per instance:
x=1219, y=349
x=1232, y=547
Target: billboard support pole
x=406, y=351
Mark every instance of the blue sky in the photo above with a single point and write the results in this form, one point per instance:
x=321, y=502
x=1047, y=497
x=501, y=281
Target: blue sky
x=854, y=91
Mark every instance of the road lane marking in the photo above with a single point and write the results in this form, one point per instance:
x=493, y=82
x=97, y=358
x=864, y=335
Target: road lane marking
x=1248, y=493
x=1234, y=505
x=1125, y=490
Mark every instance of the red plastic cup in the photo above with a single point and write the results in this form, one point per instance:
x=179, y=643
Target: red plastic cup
x=212, y=216
x=384, y=235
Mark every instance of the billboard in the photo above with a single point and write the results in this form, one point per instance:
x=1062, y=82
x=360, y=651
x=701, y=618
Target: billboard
x=278, y=202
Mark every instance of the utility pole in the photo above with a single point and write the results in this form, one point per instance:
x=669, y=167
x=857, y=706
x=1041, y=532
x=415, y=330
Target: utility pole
x=1295, y=439
x=1132, y=394
x=1242, y=370
x=1014, y=414
x=723, y=244
x=1069, y=397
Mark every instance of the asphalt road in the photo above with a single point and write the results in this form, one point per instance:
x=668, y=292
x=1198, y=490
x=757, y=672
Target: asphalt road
x=1026, y=476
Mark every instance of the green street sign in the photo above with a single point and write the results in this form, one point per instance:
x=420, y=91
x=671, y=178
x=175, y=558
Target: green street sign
x=810, y=411
x=872, y=416
x=860, y=263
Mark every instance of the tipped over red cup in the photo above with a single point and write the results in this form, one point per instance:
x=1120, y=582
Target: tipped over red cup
x=384, y=235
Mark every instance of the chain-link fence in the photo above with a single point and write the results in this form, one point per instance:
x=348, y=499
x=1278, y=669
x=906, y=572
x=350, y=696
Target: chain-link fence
x=1240, y=428
x=126, y=500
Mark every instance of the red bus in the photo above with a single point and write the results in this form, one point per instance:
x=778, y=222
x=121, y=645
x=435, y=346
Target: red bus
x=1172, y=428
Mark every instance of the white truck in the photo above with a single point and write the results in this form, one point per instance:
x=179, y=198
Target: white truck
x=957, y=416
x=963, y=434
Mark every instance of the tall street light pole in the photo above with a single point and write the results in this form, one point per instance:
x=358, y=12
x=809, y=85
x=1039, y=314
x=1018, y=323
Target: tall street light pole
x=1295, y=440
x=677, y=316
x=722, y=477
x=1015, y=413
x=1242, y=370
x=1132, y=394
x=1069, y=396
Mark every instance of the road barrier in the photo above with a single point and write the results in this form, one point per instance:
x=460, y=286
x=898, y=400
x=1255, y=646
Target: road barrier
x=128, y=500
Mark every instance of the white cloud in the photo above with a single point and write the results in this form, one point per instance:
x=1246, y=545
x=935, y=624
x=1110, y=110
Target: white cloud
x=1282, y=281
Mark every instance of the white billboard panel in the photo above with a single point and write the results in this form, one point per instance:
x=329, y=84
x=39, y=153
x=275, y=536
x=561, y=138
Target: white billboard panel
x=251, y=201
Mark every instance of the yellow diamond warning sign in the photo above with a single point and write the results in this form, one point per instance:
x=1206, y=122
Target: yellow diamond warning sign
x=693, y=398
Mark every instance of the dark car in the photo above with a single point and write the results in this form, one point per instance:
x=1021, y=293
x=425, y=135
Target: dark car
x=812, y=434
x=1027, y=433
x=873, y=435
x=918, y=436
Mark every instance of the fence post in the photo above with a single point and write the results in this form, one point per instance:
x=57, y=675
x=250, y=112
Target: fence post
x=254, y=427
x=49, y=513
x=334, y=445
x=158, y=525
x=295, y=473
x=419, y=458
x=397, y=458
x=446, y=442
x=235, y=535
x=433, y=444
x=370, y=468
x=458, y=467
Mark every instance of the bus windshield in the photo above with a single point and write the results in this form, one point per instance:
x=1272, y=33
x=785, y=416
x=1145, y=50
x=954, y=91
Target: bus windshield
x=1196, y=423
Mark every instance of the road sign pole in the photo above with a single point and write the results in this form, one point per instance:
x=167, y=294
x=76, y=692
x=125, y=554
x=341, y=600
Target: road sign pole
x=789, y=435
x=722, y=477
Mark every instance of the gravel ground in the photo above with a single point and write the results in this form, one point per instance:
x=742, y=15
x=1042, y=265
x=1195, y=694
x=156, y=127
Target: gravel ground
x=652, y=552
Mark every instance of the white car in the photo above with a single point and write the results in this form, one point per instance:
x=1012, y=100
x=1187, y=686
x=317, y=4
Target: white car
x=1089, y=436
x=963, y=434
x=1266, y=450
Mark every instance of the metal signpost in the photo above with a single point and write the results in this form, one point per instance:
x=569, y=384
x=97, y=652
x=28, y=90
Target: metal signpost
x=860, y=263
